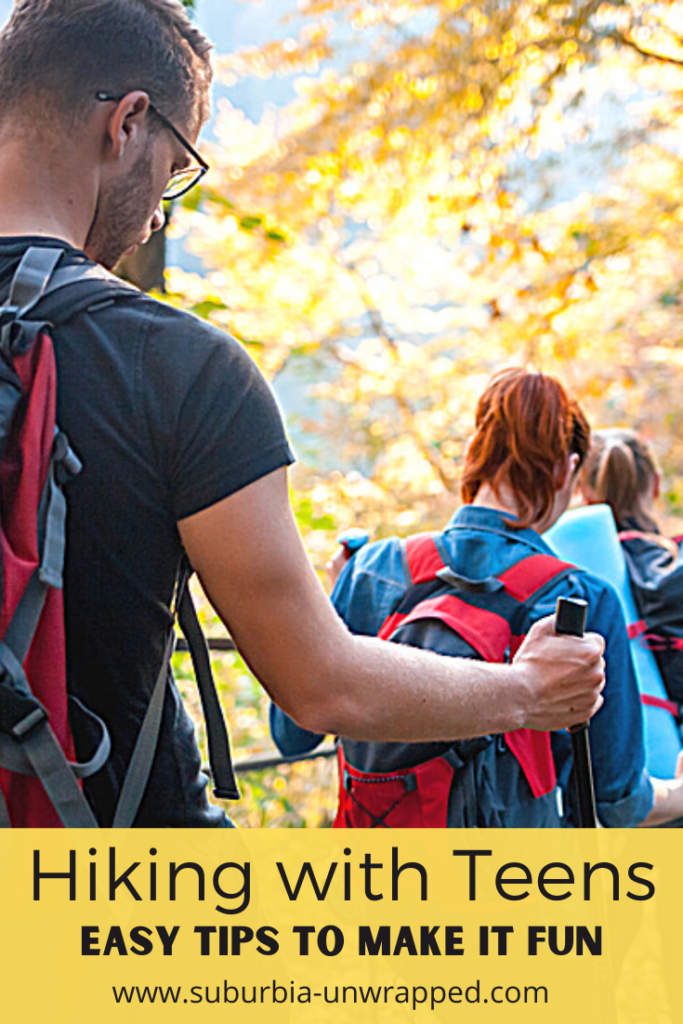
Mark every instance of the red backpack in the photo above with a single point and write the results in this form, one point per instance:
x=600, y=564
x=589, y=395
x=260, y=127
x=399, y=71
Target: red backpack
x=492, y=781
x=39, y=776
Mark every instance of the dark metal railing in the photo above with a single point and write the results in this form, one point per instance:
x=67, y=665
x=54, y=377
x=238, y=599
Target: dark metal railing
x=258, y=762
x=216, y=643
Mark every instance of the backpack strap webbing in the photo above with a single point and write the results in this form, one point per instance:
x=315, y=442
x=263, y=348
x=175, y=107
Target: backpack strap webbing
x=29, y=737
x=671, y=706
x=32, y=278
x=422, y=557
x=140, y=764
x=530, y=575
x=220, y=759
x=44, y=293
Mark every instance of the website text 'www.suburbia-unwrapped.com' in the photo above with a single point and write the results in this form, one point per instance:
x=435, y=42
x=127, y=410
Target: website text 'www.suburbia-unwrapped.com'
x=275, y=994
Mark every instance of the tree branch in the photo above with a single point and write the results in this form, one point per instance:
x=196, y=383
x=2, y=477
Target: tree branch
x=632, y=45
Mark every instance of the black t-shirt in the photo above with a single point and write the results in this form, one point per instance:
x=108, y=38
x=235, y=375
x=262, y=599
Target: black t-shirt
x=168, y=416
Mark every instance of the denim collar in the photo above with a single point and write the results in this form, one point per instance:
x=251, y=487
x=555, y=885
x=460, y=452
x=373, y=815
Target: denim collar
x=479, y=518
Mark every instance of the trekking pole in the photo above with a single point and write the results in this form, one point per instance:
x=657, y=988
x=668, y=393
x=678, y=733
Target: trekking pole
x=570, y=620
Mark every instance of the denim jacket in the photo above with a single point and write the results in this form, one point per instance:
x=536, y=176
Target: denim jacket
x=477, y=543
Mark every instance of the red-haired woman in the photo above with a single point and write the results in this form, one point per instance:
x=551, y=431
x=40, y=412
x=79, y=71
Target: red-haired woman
x=520, y=470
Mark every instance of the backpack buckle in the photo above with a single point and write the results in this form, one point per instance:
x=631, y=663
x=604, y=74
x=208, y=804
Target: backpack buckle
x=34, y=718
x=67, y=463
x=20, y=711
x=8, y=314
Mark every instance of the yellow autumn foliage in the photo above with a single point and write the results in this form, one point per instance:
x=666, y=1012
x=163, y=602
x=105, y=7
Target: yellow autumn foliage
x=457, y=186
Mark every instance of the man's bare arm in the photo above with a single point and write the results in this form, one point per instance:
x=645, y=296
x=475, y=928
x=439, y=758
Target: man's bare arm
x=252, y=564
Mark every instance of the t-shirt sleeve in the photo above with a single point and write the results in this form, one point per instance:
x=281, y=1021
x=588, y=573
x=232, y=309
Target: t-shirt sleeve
x=215, y=423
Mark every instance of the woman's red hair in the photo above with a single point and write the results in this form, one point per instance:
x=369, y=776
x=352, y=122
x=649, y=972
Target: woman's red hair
x=526, y=427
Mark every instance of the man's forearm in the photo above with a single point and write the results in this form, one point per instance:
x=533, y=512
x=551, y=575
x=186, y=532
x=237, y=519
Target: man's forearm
x=410, y=695
x=372, y=690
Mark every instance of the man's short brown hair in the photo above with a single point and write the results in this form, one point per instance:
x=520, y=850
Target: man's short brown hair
x=63, y=52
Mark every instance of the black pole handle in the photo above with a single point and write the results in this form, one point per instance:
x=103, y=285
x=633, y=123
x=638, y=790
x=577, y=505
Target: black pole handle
x=570, y=620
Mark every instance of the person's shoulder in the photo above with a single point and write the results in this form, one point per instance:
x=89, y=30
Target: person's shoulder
x=383, y=557
x=175, y=327
x=177, y=344
x=369, y=585
x=601, y=596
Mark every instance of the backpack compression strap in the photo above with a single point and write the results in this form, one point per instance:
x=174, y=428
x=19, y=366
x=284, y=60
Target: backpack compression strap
x=671, y=706
x=487, y=632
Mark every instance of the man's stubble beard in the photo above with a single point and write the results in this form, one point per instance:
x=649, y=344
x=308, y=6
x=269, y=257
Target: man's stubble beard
x=121, y=217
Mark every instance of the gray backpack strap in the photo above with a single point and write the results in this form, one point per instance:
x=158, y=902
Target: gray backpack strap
x=27, y=725
x=42, y=292
x=4, y=812
x=32, y=277
x=12, y=754
x=54, y=771
x=140, y=765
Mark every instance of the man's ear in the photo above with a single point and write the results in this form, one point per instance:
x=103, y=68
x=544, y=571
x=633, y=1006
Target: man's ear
x=125, y=119
x=657, y=486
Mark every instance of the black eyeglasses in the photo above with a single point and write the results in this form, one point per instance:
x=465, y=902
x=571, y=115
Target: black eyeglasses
x=181, y=181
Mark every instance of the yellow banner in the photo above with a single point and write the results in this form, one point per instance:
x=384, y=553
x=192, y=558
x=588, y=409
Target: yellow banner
x=335, y=926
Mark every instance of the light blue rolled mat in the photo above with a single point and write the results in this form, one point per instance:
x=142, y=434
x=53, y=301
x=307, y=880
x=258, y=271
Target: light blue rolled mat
x=588, y=538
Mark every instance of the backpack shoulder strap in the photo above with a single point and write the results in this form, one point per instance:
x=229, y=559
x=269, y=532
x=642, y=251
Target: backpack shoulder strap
x=421, y=557
x=43, y=291
x=527, y=578
x=487, y=632
x=83, y=286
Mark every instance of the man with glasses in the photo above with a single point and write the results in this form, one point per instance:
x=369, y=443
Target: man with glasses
x=181, y=441
x=182, y=180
